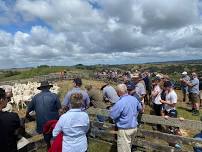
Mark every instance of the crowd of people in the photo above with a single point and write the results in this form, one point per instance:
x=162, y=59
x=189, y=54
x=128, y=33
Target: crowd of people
x=65, y=125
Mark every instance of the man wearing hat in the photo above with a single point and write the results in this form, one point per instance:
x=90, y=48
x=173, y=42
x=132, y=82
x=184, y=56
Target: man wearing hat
x=193, y=86
x=184, y=86
x=46, y=105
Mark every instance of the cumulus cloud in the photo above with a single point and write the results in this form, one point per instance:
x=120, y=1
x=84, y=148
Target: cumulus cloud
x=101, y=31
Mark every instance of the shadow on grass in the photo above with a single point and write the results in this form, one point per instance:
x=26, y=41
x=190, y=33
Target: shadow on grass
x=183, y=108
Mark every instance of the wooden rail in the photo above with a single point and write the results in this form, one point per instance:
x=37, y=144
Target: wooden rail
x=147, y=139
x=151, y=119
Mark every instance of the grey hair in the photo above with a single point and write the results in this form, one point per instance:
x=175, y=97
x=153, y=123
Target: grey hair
x=122, y=88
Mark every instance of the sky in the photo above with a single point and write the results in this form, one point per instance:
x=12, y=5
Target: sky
x=69, y=32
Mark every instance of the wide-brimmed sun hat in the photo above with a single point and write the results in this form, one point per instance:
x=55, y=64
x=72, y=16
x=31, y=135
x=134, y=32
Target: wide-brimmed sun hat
x=44, y=84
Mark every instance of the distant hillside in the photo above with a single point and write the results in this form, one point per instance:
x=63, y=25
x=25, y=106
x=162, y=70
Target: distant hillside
x=179, y=62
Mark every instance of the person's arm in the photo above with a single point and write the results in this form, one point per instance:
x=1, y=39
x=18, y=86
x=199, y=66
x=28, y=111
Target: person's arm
x=189, y=84
x=172, y=101
x=87, y=101
x=116, y=110
x=66, y=102
x=154, y=93
x=59, y=106
x=18, y=126
x=31, y=107
x=142, y=91
x=58, y=127
x=139, y=107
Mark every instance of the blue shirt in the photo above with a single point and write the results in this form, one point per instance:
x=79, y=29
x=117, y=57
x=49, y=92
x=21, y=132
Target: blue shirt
x=46, y=105
x=74, y=124
x=125, y=112
x=195, y=87
x=110, y=93
x=86, y=99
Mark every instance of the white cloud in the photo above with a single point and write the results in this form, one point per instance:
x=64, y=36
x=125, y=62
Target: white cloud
x=110, y=31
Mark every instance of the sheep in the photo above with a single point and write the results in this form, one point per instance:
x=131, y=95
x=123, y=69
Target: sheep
x=23, y=93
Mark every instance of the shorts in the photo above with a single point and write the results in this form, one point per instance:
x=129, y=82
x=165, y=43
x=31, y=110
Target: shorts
x=200, y=95
x=193, y=97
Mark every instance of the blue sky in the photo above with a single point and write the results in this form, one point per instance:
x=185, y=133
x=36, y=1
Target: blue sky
x=68, y=32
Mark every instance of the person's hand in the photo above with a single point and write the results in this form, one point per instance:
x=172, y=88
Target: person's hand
x=162, y=101
x=166, y=117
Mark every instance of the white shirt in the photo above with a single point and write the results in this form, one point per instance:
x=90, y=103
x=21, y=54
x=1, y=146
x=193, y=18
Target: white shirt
x=74, y=124
x=156, y=99
x=171, y=97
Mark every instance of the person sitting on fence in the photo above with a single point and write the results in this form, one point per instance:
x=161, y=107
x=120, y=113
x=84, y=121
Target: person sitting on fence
x=77, y=83
x=125, y=113
x=74, y=125
x=9, y=125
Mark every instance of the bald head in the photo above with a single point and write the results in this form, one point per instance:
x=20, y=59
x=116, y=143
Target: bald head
x=121, y=89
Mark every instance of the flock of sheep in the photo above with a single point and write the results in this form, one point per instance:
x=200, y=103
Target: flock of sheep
x=23, y=93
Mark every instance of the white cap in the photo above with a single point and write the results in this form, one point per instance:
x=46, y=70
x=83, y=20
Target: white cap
x=184, y=73
x=135, y=75
x=159, y=75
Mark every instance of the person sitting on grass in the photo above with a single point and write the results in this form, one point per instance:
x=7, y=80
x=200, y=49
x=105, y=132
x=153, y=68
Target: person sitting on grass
x=74, y=125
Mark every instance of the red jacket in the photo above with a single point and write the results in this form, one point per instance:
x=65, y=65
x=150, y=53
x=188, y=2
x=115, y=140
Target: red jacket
x=56, y=145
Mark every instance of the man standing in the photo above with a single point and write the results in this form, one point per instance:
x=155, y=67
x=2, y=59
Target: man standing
x=77, y=83
x=125, y=113
x=9, y=125
x=193, y=85
x=184, y=86
x=46, y=105
x=139, y=87
x=147, y=81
